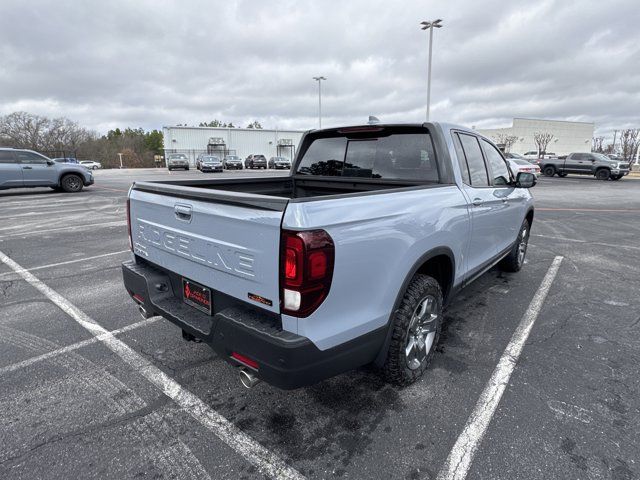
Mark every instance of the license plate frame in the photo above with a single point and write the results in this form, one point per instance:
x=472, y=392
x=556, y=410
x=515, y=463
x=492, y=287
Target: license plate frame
x=197, y=296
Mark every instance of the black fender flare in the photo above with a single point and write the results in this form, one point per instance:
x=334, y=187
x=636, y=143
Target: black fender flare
x=382, y=354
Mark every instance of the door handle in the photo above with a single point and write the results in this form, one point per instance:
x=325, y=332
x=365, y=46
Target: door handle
x=27, y=168
x=505, y=200
x=477, y=202
x=183, y=212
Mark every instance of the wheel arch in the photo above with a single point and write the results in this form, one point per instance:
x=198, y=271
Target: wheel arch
x=438, y=263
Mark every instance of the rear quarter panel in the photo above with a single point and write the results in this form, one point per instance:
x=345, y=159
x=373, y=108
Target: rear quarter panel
x=378, y=239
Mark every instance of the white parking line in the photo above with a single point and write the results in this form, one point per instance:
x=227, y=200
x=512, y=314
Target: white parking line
x=590, y=242
x=459, y=460
x=68, y=262
x=264, y=460
x=74, y=346
x=70, y=227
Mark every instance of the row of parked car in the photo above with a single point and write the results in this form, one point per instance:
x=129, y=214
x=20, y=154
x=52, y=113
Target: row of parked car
x=212, y=163
x=602, y=167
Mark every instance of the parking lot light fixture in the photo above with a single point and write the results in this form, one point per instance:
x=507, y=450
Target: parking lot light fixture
x=426, y=25
x=319, y=80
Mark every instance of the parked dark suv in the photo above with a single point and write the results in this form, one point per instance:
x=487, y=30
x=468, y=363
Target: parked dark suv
x=25, y=168
x=255, y=161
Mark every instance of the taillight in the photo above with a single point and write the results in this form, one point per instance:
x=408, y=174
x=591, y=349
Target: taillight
x=129, y=223
x=306, y=270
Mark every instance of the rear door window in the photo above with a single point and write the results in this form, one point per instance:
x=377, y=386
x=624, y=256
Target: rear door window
x=396, y=156
x=498, y=166
x=7, y=157
x=475, y=161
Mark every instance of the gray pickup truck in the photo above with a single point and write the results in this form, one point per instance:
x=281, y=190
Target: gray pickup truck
x=348, y=260
x=594, y=164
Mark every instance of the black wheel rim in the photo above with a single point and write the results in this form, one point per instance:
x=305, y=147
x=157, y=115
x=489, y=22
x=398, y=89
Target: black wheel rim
x=72, y=183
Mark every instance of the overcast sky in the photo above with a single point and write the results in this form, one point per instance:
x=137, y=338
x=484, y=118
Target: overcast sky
x=154, y=63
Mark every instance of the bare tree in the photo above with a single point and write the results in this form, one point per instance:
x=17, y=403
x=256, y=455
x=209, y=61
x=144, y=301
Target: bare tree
x=629, y=143
x=542, y=140
x=597, y=144
x=507, y=140
x=24, y=130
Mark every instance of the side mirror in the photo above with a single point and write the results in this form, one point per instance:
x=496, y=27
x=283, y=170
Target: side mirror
x=525, y=180
x=50, y=162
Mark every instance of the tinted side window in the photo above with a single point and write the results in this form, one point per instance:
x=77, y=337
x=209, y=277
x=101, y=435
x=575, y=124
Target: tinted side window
x=461, y=160
x=30, y=157
x=475, y=162
x=7, y=157
x=498, y=166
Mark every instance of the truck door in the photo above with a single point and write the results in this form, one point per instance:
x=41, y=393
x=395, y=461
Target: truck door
x=485, y=206
x=576, y=163
x=10, y=171
x=511, y=213
x=36, y=172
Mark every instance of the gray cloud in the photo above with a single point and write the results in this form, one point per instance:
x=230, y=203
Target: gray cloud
x=143, y=63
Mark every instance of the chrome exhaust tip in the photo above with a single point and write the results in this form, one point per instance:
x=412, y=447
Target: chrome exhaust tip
x=248, y=378
x=143, y=312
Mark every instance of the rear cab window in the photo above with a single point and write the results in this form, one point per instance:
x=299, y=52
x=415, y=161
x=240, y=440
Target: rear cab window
x=386, y=153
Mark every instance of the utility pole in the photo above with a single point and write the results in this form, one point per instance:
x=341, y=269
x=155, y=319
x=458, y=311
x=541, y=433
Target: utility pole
x=430, y=26
x=120, y=155
x=319, y=80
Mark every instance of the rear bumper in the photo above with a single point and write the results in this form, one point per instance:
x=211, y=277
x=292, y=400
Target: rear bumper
x=285, y=360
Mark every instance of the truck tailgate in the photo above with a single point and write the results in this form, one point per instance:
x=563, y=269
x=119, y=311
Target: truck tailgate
x=231, y=248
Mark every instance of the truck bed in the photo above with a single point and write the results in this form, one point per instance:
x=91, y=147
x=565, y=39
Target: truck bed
x=269, y=193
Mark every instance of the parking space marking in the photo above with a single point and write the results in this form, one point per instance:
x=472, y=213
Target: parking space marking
x=267, y=462
x=459, y=460
x=575, y=240
x=74, y=346
x=596, y=210
x=68, y=262
x=118, y=223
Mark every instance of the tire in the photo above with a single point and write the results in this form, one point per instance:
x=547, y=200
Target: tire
x=562, y=175
x=186, y=169
x=71, y=183
x=549, y=171
x=95, y=167
x=514, y=261
x=603, y=174
x=422, y=302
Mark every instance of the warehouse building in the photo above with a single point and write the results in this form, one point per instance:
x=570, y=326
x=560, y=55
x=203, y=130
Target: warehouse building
x=192, y=141
x=567, y=136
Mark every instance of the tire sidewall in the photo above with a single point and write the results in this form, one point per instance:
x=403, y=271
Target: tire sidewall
x=396, y=369
x=66, y=188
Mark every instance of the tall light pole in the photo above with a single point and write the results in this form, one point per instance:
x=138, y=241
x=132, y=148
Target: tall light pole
x=430, y=26
x=319, y=80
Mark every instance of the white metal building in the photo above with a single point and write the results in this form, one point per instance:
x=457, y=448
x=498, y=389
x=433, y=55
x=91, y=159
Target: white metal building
x=242, y=142
x=568, y=136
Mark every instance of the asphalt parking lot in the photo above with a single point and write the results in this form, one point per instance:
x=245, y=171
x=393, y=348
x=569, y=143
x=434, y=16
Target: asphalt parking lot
x=139, y=402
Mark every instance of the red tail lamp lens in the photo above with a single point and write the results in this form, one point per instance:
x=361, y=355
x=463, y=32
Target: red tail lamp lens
x=307, y=269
